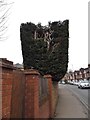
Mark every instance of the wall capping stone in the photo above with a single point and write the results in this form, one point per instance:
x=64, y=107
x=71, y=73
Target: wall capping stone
x=4, y=63
x=31, y=72
x=47, y=76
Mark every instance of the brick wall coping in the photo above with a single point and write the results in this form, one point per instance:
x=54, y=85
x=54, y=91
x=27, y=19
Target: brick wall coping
x=4, y=63
x=47, y=76
x=31, y=72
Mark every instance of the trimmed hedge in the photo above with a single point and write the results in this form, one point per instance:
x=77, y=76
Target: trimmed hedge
x=52, y=61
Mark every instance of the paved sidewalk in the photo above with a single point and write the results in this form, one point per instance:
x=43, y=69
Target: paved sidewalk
x=68, y=105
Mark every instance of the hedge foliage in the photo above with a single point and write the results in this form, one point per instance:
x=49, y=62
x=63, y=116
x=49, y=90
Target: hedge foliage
x=52, y=61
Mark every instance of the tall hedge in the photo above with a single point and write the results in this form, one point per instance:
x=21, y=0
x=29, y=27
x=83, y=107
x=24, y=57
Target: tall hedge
x=52, y=61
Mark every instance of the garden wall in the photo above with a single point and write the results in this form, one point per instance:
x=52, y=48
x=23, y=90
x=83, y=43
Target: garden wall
x=25, y=93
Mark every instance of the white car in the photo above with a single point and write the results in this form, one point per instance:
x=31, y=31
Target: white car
x=76, y=83
x=84, y=84
x=63, y=82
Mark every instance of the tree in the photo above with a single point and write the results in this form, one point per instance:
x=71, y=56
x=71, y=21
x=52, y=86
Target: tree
x=52, y=61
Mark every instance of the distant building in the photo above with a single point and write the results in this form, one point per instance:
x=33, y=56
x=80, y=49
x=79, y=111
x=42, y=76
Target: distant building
x=89, y=71
x=19, y=66
x=82, y=73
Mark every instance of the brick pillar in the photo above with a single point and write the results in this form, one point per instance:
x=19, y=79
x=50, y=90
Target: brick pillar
x=6, y=77
x=55, y=95
x=50, y=87
x=32, y=94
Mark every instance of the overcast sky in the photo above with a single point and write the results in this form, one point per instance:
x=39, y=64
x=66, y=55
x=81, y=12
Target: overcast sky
x=49, y=10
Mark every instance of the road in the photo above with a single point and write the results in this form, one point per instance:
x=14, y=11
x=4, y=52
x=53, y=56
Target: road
x=81, y=94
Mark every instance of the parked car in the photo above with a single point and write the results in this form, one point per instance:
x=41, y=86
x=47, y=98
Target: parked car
x=84, y=84
x=71, y=82
x=63, y=82
x=76, y=83
x=59, y=82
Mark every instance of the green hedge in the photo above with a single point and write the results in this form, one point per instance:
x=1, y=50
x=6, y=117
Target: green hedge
x=35, y=54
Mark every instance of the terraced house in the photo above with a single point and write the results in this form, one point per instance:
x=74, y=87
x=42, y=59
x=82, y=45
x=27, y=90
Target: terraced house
x=82, y=73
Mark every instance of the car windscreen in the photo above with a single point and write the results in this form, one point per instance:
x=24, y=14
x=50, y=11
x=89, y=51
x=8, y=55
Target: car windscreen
x=84, y=82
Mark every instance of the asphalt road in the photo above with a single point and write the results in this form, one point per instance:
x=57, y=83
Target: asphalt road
x=81, y=94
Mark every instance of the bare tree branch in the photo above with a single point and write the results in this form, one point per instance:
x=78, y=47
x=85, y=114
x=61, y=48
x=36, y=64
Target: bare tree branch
x=4, y=15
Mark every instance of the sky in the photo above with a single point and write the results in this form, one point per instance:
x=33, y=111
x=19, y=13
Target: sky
x=23, y=11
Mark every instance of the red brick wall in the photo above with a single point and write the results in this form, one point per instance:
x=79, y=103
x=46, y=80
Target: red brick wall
x=20, y=93
x=54, y=95
x=44, y=110
x=32, y=94
x=6, y=86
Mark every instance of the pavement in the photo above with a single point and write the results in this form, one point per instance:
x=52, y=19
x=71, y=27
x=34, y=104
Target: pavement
x=68, y=105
